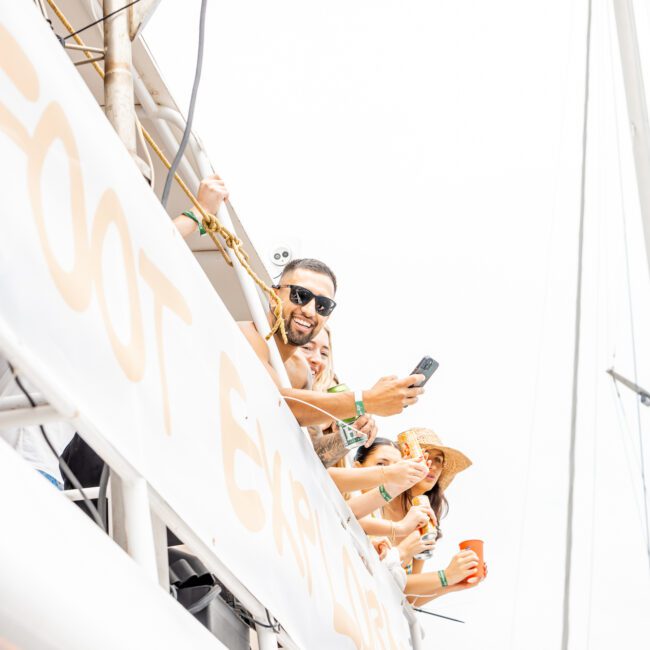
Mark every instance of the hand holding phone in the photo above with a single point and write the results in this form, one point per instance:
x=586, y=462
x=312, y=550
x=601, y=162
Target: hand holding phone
x=426, y=367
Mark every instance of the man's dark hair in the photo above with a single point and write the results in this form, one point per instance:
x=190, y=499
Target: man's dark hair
x=310, y=265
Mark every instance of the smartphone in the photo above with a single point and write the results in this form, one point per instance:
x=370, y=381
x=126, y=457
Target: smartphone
x=426, y=367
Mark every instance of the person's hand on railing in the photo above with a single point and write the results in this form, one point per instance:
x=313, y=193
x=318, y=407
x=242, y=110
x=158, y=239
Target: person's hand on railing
x=212, y=193
x=390, y=395
x=402, y=475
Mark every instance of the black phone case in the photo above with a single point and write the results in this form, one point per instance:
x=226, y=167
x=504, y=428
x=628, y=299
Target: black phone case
x=426, y=367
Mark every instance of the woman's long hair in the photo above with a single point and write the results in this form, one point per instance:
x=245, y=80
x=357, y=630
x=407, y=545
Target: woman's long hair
x=326, y=378
x=436, y=496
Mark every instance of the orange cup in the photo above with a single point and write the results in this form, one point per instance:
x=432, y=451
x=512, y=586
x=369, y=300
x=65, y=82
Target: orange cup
x=475, y=545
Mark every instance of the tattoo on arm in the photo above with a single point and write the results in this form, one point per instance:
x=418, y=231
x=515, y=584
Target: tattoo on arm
x=328, y=446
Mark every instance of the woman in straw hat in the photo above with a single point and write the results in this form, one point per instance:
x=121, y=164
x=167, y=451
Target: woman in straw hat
x=396, y=479
x=444, y=463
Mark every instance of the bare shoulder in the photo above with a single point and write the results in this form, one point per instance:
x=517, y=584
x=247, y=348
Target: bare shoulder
x=298, y=371
x=255, y=339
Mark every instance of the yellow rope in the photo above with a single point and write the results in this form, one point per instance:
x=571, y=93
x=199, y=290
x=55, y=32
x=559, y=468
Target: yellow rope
x=210, y=222
x=68, y=26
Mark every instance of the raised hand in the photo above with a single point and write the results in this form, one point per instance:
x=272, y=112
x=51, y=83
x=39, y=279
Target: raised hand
x=366, y=424
x=402, y=475
x=212, y=192
x=390, y=395
x=412, y=545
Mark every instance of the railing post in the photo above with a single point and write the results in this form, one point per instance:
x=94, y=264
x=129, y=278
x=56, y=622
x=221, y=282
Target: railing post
x=118, y=82
x=132, y=527
x=266, y=638
x=255, y=305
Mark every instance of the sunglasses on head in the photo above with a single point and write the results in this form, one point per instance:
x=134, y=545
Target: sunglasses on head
x=301, y=296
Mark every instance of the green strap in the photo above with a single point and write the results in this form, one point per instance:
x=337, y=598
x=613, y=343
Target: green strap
x=192, y=216
x=384, y=493
x=358, y=403
x=443, y=577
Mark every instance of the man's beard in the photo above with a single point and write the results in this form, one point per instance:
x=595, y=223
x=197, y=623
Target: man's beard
x=294, y=338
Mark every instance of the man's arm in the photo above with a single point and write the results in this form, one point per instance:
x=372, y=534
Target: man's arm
x=387, y=397
x=212, y=192
x=328, y=446
x=260, y=348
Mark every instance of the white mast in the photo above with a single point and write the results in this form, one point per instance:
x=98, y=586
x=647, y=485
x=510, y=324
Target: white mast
x=636, y=107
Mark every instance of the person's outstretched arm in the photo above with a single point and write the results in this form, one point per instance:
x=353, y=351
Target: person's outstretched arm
x=212, y=193
x=350, y=479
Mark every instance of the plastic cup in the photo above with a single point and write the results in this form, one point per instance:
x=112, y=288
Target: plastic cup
x=475, y=545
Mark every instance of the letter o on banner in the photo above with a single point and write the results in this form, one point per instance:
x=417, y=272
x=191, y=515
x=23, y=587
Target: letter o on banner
x=75, y=285
x=131, y=356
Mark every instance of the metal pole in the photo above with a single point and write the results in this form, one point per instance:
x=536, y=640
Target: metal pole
x=636, y=107
x=161, y=115
x=257, y=310
x=170, y=142
x=118, y=82
x=414, y=627
x=266, y=638
x=138, y=536
x=29, y=416
x=641, y=392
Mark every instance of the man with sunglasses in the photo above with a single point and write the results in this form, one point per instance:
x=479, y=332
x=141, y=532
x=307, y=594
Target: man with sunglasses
x=307, y=288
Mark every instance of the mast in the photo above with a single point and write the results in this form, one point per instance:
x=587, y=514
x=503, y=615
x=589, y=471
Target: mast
x=636, y=107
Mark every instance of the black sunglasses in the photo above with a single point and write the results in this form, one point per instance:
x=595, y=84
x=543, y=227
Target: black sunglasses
x=301, y=296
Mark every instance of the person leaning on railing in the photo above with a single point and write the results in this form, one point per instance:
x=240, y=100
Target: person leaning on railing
x=307, y=289
x=443, y=464
x=326, y=437
x=375, y=481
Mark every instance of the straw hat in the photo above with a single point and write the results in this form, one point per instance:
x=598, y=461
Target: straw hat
x=455, y=461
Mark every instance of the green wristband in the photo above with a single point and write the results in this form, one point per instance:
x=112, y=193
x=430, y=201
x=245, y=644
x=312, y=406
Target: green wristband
x=358, y=403
x=443, y=577
x=384, y=493
x=192, y=216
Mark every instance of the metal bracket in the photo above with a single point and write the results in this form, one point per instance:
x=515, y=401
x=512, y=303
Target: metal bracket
x=25, y=417
x=643, y=394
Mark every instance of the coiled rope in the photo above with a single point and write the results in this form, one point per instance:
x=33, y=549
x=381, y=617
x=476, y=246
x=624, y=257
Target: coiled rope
x=211, y=223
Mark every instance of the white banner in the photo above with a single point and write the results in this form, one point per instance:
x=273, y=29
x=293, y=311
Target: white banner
x=100, y=291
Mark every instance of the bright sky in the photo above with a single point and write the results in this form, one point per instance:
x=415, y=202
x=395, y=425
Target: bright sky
x=430, y=153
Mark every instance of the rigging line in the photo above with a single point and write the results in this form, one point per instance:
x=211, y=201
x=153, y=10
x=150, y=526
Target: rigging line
x=448, y=618
x=100, y=20
x=594, y=464
x=637, y=398
x=576, y=351
x=630, y=309
x=190, y=113
x=623, y=427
